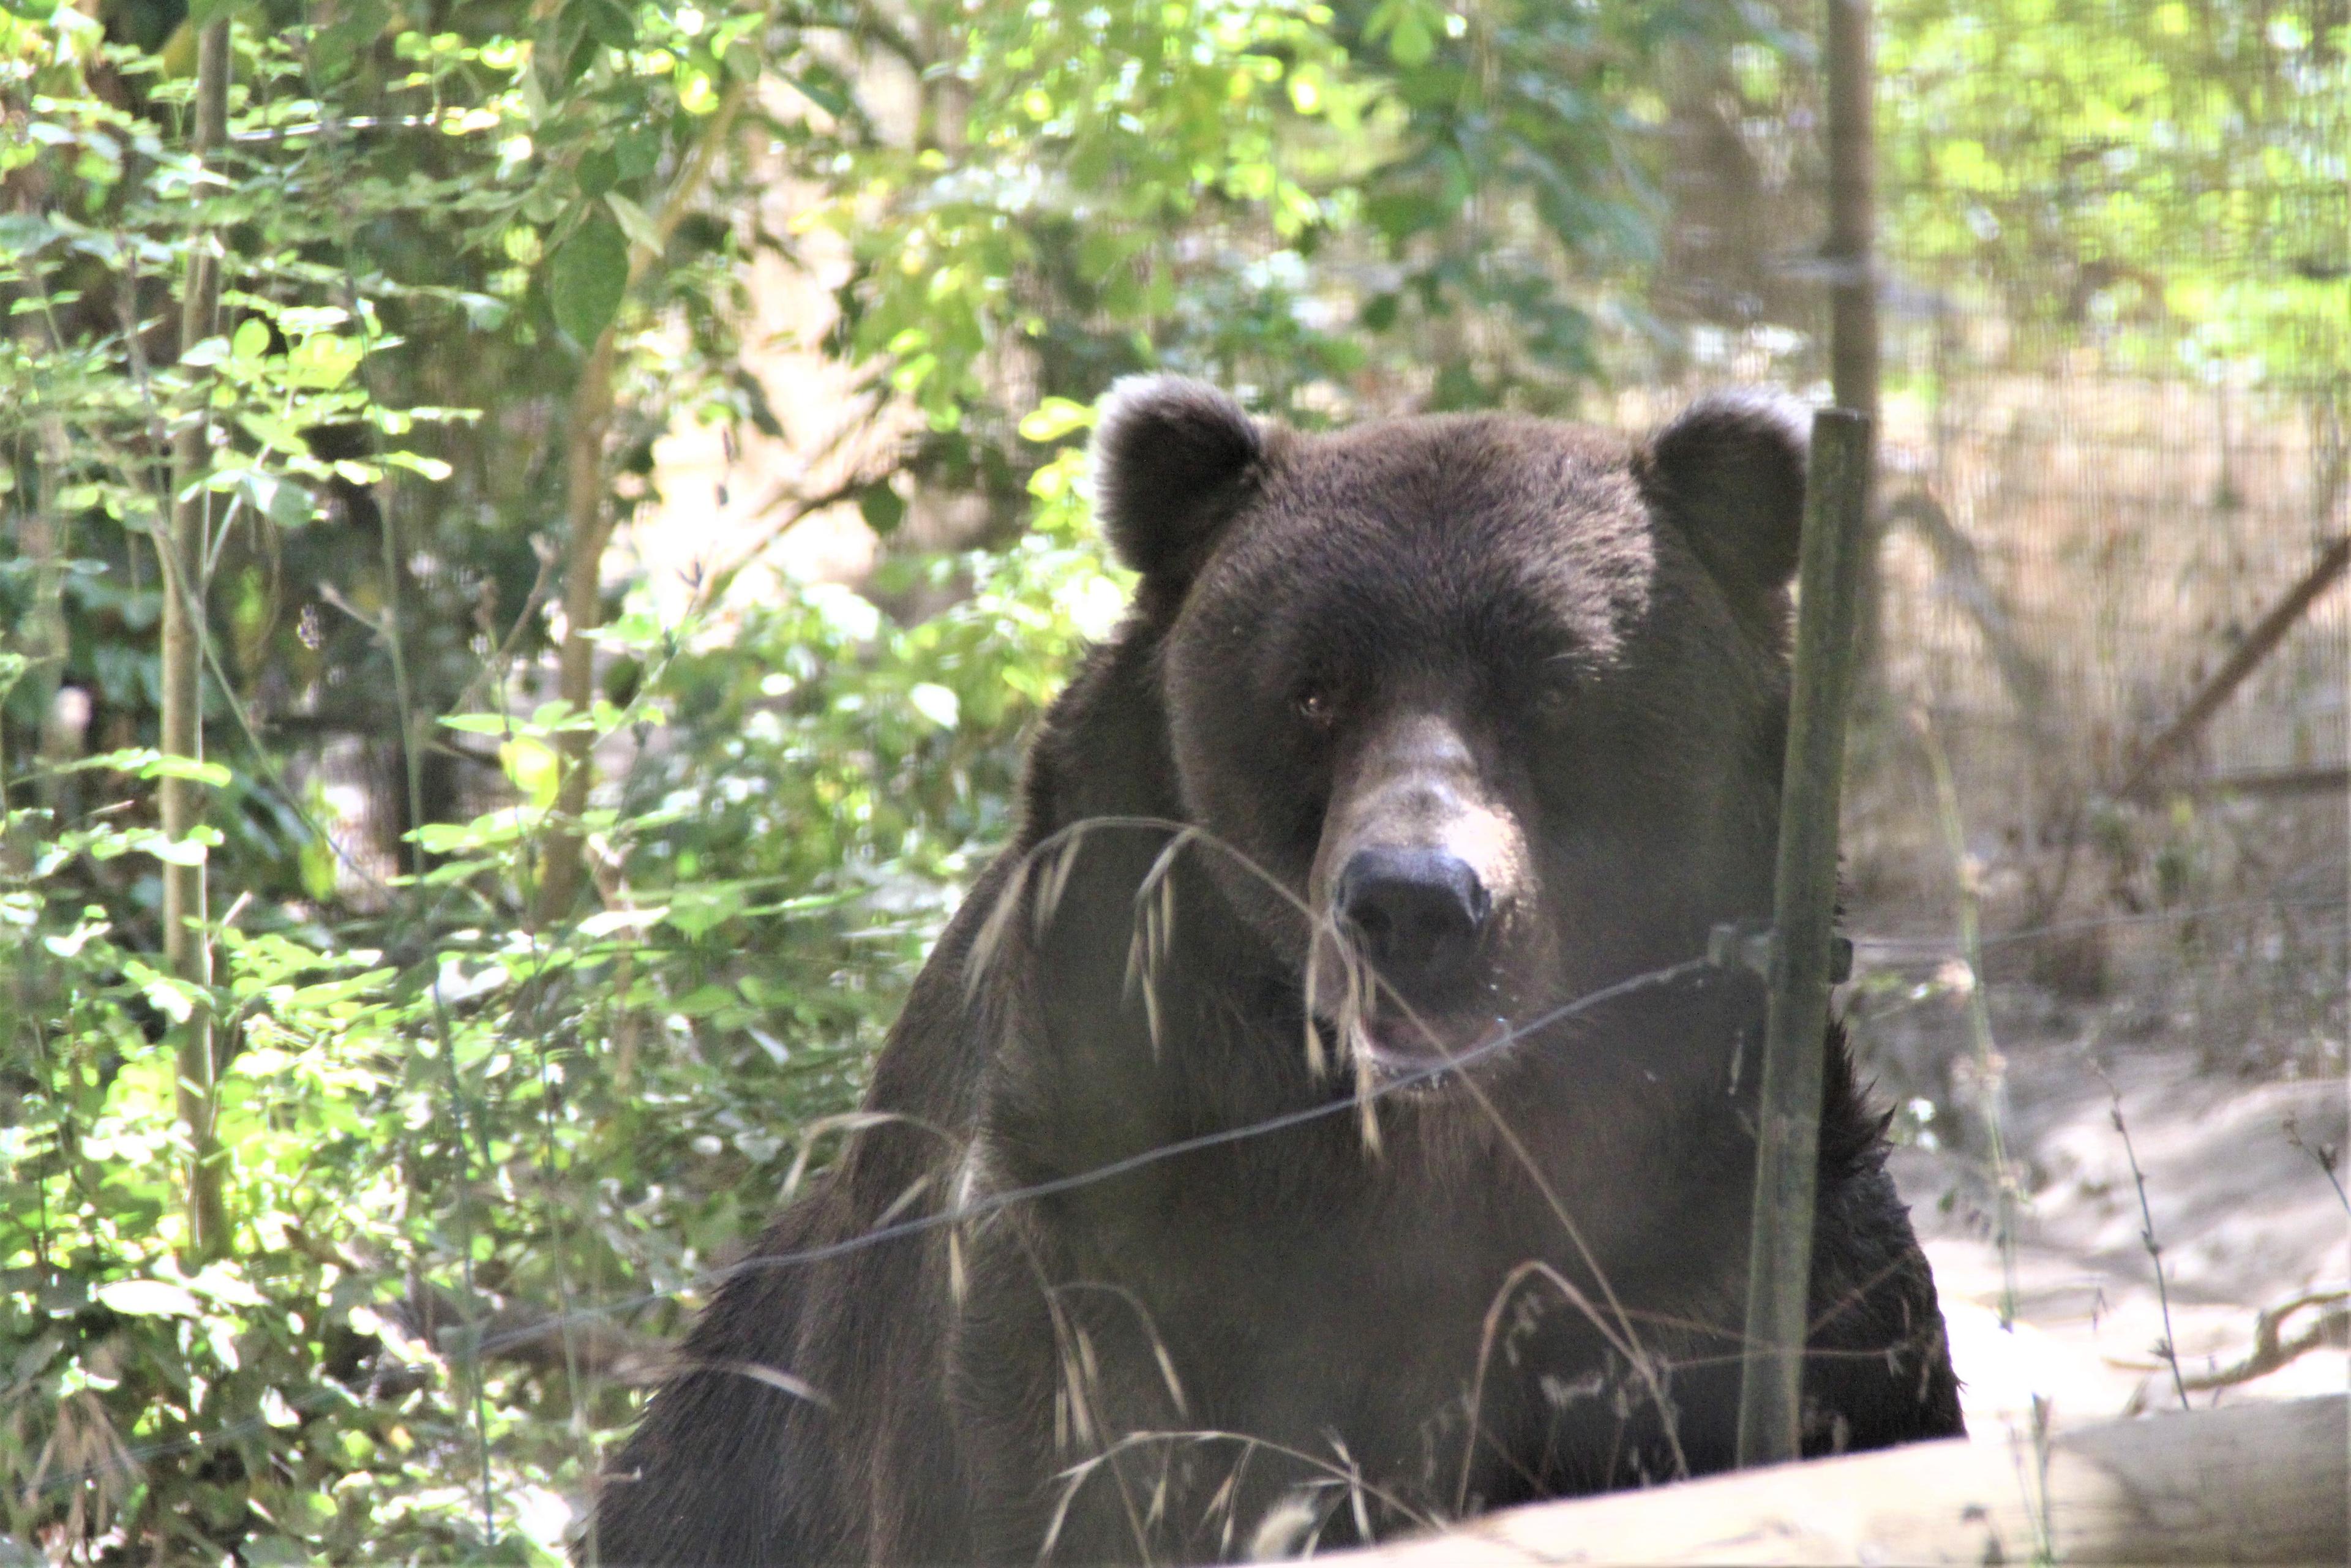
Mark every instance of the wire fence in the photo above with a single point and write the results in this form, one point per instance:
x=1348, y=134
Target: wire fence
x=2114, y=307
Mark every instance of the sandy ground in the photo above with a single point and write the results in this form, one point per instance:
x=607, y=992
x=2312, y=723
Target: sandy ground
x=2245, y=1220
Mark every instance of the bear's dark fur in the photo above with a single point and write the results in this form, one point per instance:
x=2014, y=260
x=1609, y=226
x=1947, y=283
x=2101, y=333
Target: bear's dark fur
x=1469, y=718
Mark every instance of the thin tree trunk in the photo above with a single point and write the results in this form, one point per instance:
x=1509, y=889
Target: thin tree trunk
x=589, y=529
x=185, y=945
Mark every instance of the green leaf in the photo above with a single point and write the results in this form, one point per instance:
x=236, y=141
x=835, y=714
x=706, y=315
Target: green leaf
x=588, y=279
x=1412, y=42
x=324, y=360
x=177, y=852
x=22, y=233
x=637, y=154
x=634, y=222
x=818, y=91
x=430, y=468
x=597, y=172
x=882, y=507
x=355, y=26
x=161, y=767
x=1410, y=27
x=279, y=499
x=609, y=23
x=250, y=342
x=637, y=629
x=224, y=1285
x=442, y=837
x=696, y=910
x=534, y=768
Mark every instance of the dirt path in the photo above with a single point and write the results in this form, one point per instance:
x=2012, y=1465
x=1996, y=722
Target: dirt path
x=2246, y=1220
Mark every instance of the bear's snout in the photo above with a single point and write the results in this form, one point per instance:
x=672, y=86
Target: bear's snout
x=1416, y=914
x=1415, y=884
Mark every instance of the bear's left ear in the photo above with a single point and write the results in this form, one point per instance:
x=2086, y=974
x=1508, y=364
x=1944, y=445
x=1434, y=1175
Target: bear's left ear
x=1172, y=461
x=1730, y=473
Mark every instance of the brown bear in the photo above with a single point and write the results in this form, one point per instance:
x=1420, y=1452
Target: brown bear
x=1321, y=1121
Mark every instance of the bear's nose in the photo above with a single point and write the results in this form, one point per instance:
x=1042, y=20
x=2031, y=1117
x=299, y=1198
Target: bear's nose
x=1416, y=914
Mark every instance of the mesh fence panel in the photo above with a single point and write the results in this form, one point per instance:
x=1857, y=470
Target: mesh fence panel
x=2115, y=309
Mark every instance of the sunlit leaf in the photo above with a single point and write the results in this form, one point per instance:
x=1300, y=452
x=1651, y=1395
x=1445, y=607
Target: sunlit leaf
x=936, y=702
x=150, y=1299
x=533, y=768
x=1054, y=418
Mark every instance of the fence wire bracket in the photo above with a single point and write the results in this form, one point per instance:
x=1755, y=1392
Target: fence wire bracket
x=1751, y=945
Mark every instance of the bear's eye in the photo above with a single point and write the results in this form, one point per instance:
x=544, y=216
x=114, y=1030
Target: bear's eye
x=1554, y=694
x=1317, y=706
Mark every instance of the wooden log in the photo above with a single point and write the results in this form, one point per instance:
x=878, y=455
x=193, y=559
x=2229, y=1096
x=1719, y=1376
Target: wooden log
x=2251, y=1483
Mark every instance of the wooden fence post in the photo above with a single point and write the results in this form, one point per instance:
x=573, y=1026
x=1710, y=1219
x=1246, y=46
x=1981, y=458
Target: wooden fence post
x=1788, y=1115
x=1852, y=256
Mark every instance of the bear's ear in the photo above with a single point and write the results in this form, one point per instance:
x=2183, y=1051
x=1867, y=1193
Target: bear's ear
x=1730, y=473
x=1172, y=459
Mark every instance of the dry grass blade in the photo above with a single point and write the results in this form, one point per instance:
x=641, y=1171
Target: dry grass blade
x=813, y=1132
x=1622, y=1343
x=1060, y=860
x=774, y=1377
x=84, y=1445
x=987, y=942
x=1166, y=1363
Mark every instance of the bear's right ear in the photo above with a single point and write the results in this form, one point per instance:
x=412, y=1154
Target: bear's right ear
x=1730, y=473
x=1172, y=460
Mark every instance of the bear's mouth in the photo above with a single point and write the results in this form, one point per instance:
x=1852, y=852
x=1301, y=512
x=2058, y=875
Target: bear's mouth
x=1415, y=1051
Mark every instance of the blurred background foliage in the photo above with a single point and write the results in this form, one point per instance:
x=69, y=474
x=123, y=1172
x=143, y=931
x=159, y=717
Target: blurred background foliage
x=478, y=1146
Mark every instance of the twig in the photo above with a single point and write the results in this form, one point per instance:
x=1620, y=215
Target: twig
x=2272, y=1350
x=800, y=509
x=2168, y=1346
x=502, y=658
x=2326, y=1157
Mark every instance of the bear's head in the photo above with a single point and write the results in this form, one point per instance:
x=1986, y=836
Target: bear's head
x=1492, y=704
